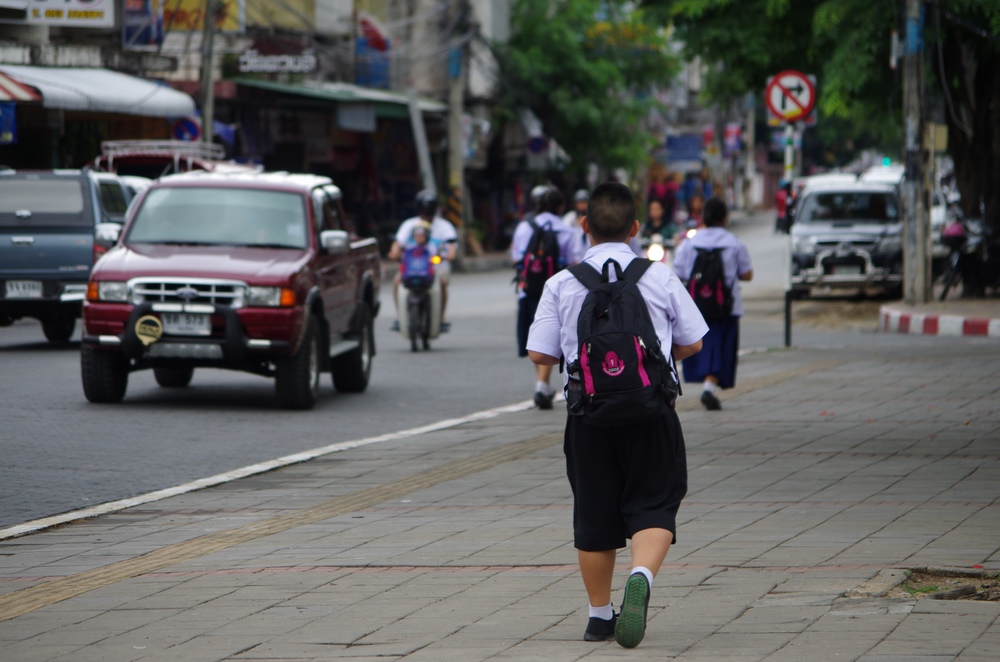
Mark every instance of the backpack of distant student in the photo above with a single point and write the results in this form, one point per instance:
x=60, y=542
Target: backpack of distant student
x=541, y=259
x=621, y=376
x=707, y=286
x=416, y=268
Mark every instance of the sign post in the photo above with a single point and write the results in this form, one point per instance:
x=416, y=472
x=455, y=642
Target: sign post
x=790, y=97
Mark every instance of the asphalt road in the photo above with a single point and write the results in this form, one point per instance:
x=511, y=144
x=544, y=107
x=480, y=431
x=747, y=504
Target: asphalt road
x=61, y=453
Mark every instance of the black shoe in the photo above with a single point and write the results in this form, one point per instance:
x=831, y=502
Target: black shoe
x=631, y=625
x=599, y=629
x=543, y=401
x=394, y=326
x=710, y=401
x=445, y=327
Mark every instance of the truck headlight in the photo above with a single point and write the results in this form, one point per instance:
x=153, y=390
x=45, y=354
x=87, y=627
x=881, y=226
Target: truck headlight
x=270, y=297
x=107, y=290
x=890, y=245
x=804, y=245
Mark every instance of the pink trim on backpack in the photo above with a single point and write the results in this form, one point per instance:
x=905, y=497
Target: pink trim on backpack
x=642, y=366
x=588, y=379
x=720, y=295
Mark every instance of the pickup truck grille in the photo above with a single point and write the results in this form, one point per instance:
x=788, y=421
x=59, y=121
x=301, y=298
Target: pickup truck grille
x=190, y=290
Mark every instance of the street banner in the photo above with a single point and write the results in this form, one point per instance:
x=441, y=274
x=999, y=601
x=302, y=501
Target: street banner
x=8, y=123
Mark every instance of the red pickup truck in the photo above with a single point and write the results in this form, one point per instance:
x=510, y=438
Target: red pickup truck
x=245, y=271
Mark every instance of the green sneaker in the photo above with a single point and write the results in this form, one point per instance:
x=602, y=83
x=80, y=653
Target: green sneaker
x=631, y=626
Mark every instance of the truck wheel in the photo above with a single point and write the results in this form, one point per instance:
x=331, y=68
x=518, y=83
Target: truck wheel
x=297, y=376
x=173, y=377
x=105, y=374
x=58, y=329
x=351, y=371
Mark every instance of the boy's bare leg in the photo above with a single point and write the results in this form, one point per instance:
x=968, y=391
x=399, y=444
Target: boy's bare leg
x=598, y=569
x=650, y=547
x=543, y=372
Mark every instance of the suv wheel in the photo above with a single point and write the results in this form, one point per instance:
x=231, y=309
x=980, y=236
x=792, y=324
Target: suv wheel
x=351, y=371
x=297, y=376
x=104, y=374
x=59, y=329
x=173, y=377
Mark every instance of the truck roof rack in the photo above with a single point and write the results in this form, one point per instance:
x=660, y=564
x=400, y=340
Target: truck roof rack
x=180, y=148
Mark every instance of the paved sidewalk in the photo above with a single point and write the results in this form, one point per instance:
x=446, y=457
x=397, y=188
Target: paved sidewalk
x=825, y=469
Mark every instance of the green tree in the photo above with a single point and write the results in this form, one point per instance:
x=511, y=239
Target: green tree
x=583, y=67
x=846, y=43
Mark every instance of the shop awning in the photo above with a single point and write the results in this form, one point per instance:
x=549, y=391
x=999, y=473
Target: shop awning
x=11, y=90
x=387, y=104
x=101, y=90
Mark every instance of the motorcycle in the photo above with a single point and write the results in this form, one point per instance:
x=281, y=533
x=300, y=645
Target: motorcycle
x=657, y=249
x=419, y=298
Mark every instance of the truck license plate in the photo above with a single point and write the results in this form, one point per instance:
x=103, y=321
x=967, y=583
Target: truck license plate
x=847, y=270
x=187, y=324
x=24, y=289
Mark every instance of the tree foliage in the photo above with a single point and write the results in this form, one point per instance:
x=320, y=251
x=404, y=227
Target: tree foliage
x=846, y=43
x=582, y=67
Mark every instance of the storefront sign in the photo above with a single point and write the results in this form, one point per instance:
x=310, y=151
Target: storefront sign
x=8, y=123
x=60, y=13
x=142, y=24
x=189, y=15
x=252, y=61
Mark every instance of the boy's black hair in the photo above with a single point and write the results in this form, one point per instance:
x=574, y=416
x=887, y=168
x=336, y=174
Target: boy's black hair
x=715, y=212
x=552, y=201
x=611, y=212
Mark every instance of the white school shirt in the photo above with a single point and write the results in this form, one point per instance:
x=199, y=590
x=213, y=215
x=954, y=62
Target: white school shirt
x=675, y=316
x=564, y=235
x=735, y=258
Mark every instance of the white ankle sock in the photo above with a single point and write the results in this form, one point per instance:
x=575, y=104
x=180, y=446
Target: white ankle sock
x=646, y=572
x=711, y=387
x=605, y=613
x=544, y=388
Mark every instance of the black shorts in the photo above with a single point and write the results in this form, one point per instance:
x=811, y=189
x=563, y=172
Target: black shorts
x=624, y=479
x=526, y=307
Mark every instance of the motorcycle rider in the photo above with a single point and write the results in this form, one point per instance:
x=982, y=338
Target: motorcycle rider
x=442, y=234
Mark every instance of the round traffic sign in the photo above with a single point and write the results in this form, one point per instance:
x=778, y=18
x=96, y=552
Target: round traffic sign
x=187, y=128
x=790, y=95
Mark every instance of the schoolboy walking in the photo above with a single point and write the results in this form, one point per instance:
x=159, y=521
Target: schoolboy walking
x=627, y=480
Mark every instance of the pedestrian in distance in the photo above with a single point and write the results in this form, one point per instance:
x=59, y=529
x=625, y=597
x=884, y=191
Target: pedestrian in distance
x=627, y=480
x=572, y=219
x=542, y=246
x=443, y=236
x=715, y=365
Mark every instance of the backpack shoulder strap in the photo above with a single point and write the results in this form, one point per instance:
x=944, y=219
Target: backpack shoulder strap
x=586, y=274
x=636, y=268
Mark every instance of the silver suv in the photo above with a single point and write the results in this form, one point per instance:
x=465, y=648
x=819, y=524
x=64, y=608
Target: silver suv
x=846, y=237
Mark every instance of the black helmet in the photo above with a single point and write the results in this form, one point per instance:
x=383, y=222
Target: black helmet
x=427, y=203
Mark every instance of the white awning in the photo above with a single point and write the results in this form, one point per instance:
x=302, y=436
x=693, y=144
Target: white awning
x=101, y=90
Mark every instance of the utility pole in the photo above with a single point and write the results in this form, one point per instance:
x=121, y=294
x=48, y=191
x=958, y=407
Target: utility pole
x=456, y=151
x=207, y=58
x=916, y=226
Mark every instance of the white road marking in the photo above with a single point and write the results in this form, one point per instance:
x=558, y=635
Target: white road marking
x=113, y=506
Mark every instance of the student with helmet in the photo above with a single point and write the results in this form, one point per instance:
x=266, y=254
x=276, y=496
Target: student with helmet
x=443, y=235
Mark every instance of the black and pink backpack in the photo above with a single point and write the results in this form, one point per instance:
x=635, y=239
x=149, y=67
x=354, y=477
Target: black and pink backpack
x=621, y=376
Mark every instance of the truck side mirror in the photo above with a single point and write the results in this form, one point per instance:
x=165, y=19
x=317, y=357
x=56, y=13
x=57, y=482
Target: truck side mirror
x=107, y=233
x=335, y=242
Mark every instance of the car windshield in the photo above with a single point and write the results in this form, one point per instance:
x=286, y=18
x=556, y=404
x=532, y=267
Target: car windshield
x=862, y=206
x=220, y=216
